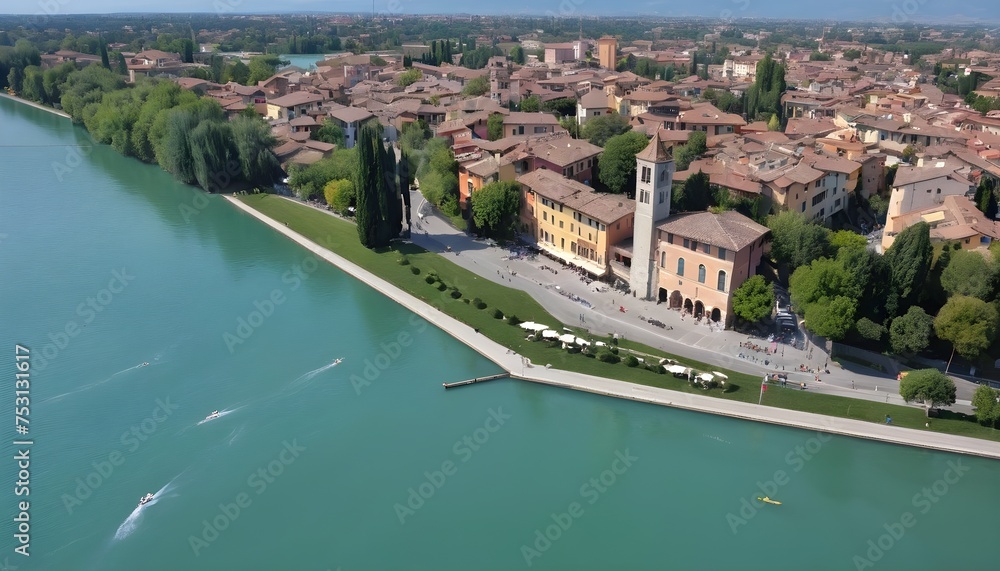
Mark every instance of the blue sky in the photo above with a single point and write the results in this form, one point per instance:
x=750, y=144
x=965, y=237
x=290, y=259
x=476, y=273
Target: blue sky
x=877, y=10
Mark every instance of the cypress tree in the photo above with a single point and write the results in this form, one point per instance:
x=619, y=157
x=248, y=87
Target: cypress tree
x=404, y=183
x=394, y=206
x=366, y=202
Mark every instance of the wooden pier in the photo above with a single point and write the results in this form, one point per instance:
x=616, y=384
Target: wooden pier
x=476, y=380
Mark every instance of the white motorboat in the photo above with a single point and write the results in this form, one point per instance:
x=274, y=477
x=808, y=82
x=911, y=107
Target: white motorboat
x=215, y=414
x=145, y=499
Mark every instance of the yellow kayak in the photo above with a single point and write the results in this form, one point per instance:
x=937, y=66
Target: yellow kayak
x=768, y=500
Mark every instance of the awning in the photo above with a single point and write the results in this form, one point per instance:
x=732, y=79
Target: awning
x=706, y=377
x=676, y=369
x=550, y=334
x=573, y=259
x=718, y=374
x=534, y=326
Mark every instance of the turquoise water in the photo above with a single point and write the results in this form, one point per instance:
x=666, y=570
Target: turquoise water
x=341, y=447
x=305, y=61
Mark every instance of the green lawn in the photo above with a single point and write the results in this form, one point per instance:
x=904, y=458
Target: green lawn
x=341, y=237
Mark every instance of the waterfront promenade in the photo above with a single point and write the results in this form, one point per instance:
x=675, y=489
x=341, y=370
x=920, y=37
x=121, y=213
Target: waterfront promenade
x=36, y=105
x=538, y=373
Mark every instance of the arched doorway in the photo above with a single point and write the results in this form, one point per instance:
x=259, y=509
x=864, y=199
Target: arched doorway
x=676, y=300
x=662, y=296
x=688, y=306
x=699, y=308
x=716, y=314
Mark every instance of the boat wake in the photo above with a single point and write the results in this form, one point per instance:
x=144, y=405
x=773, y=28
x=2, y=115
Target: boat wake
x=221, y=414
x=717, y=438
x=132, y=521
x=301, y=382
x=97, y=384
x=235, y=434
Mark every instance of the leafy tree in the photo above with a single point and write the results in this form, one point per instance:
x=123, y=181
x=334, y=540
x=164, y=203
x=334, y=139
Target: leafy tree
x=831, y=318
x=970, y=273
x=852, y=54
x=910, y=333
x=697, y=142
x=696, y=194
x=329, y=132
x=753, y=300
x=409, y=77
x=985, y=198
x=517, y=55
x=841, y=239
x=763, y=98
x=870, y=330
x=254, y=141
x=476, y=86
x=122, y=67
x=415, y=136
x=617, y=163
x=262, y=67
x=598, y=130
x=494, y=126
x=986, y=401
x=562, y=107
x=212, y=151
x=929, y=386
x=237, y=72
x=909, y=261
x=531, y=104
x=970, y=325
x=796, y=241
x=773, y=124
x=495, y=205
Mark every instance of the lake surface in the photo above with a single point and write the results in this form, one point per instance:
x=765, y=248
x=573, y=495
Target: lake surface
x=370, y=464
x=305, y=61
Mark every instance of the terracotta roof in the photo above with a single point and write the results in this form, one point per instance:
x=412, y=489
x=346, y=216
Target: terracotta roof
x=525, y=118
x=730, y=230
x=351, y=114
x=605, y=208
x=303, y=121
x=593, y=99
x=910, y=175
x=561, y=150
x=296, y=98
x=656, y=151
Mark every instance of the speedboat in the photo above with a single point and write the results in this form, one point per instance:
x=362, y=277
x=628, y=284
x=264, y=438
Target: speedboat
x=145, y=499
x=215, y=414
x=338, y=361
x=768, y=500
x=144, y=364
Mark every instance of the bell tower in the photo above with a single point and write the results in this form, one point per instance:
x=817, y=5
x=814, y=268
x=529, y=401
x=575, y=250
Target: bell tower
x=654, y=176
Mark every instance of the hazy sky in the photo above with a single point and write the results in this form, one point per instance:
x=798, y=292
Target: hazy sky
x=878, y=10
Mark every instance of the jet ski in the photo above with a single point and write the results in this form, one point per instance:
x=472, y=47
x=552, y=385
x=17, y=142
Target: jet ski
x=215, y=414
x=145, y=499
x=144, y=364
x=768, y=500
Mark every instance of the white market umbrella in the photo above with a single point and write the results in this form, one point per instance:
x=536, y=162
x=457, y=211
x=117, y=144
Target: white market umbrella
x=550, y=334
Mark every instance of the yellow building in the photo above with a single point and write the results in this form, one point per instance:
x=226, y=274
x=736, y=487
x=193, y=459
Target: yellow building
x=571, y=221
x=607, y=51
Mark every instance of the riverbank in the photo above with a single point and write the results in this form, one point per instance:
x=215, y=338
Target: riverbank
x=35, y=105
x=513, y=363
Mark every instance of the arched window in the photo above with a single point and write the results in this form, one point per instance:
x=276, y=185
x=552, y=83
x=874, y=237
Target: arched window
x=722, y=280
x=701, y=273
x=663, y=259
x=680, y=266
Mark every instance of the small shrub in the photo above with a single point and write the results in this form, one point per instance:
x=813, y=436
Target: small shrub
x=713, y=384
x=497, y=314
x=573, y=349
x=480, y=304
x=441, y=286
x=466, y=300
x=415, y=270
x=631, y=361
x=455, y=294
x=589, y=354
x=660, y=369
x=609, y=357
x=614, y=350
x=402, y=261
x=513, y=320
x=430, y=279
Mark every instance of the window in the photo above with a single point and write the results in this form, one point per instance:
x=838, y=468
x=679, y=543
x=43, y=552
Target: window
x=570, y=226
x=663, y=175
x=572, y=247
x=706, y=248
x=694, y=245
x=687, y=243
x=939, y=191
x=560, y=223
x=670, y=238
x=646, y=172
x=816, y=185
x=545, y=216
x=663, y=259
x=644, y=196
x=722, y=280
x=701, y=273
x=680, y=266
x=661, y=196
x=722, y=253
x=803, y=206
x=562, y=243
